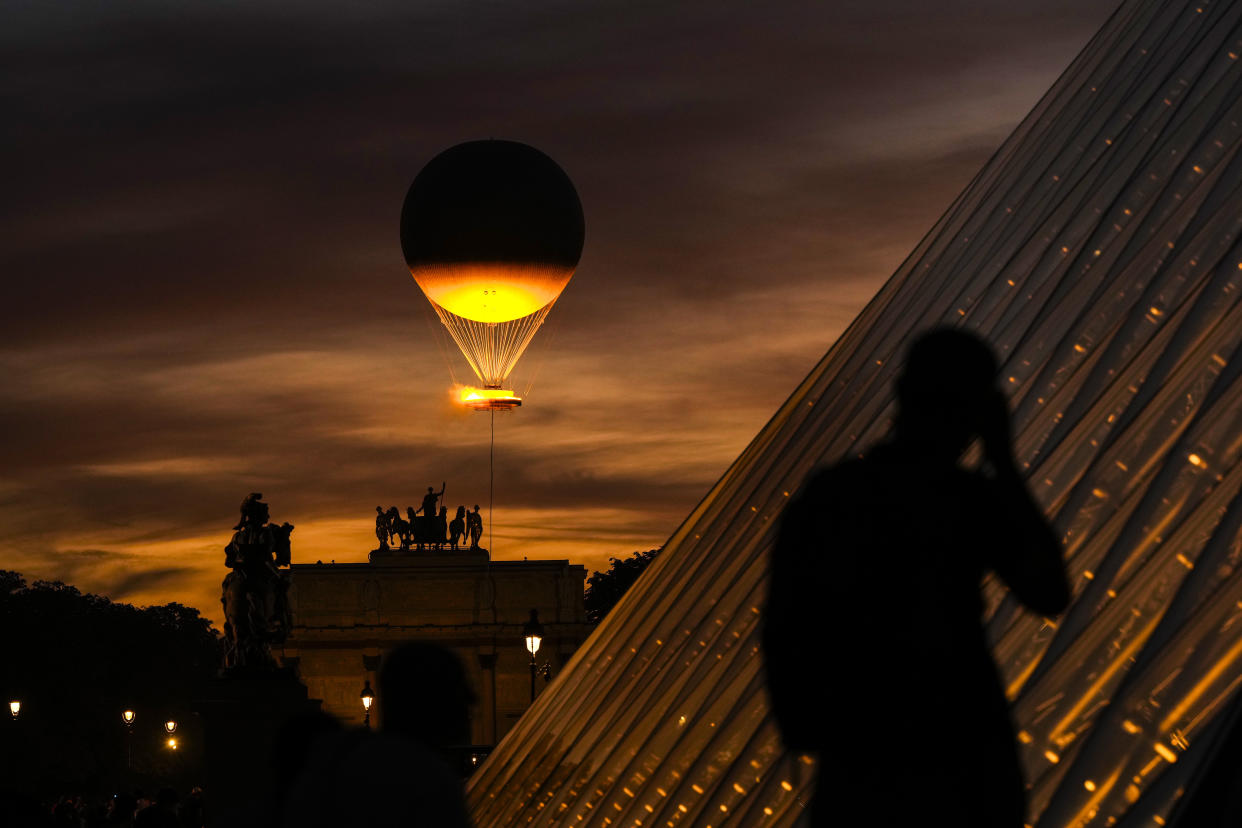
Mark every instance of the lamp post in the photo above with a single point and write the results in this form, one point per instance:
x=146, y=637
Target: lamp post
x=128, y=717
x=15, y=707
x=368, y=698
x=533, y=632
x=170, y=727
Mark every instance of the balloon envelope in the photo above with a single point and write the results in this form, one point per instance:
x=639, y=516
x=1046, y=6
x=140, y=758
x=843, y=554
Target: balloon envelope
x=492, y=232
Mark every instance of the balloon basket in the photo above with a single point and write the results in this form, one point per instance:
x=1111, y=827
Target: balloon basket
x=490, y=399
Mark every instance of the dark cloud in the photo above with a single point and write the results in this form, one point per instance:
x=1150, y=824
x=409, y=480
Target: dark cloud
x=147, y=581
x=116, y=574
x=205, y=295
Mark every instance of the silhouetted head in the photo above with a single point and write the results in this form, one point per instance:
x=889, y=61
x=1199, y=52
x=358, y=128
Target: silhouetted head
x=424, y=695
x=431, y=490
x=944, y=390
x=295, y=739
x=461, y=511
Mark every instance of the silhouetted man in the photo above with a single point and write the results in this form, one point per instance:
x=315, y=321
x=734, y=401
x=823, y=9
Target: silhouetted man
x=405, y=775
x=875, y=579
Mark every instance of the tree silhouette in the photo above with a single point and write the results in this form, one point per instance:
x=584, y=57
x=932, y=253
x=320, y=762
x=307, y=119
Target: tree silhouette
x=605, y=588
x=76, y=661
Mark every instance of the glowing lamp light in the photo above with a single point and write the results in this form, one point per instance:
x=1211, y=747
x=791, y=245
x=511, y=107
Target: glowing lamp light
x=172, y=743
x=368, y=698
x=533, y=632
x=170, y=726
x=15, y=707
x=489, y=399
x=1166, y=753
x=128, y=717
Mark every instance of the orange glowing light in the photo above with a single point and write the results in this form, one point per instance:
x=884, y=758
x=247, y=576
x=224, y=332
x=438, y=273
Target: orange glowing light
x=1166, y=753
x=488, y=399
x=492, y=292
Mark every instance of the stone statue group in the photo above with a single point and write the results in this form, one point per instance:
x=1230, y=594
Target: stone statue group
x=429, y=526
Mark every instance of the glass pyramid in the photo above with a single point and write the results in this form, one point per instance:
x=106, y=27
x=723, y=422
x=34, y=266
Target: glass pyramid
x=1098, y=251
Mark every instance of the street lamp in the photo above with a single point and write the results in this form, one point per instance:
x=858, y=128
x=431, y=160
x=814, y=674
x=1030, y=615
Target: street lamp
x=170, y=726
x=128, y=717
x=533, y=632
x=368, y=698
x=15, y=707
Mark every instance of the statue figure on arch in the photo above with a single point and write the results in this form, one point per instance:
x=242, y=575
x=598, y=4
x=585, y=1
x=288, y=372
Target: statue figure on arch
x=474, y=527
x=429, y=500
x=381, y=527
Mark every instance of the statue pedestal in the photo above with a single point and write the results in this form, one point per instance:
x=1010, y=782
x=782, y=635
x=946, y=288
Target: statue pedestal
x=241, y=715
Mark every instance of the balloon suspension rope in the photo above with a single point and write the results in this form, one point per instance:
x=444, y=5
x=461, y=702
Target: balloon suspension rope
x=491, y=485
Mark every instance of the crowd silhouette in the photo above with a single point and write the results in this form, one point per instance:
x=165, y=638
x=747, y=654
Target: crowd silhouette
x=876, y=578
x=124, y=809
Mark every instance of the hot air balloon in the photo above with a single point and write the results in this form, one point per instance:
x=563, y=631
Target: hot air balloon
x=492, y=232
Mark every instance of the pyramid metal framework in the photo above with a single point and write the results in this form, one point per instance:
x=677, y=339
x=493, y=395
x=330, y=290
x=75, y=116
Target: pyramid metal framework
x=1098, y=250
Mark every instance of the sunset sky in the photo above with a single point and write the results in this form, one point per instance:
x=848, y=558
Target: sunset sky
x=206, y=296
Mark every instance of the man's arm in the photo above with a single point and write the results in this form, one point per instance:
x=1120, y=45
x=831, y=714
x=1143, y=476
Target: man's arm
x=1033, y=566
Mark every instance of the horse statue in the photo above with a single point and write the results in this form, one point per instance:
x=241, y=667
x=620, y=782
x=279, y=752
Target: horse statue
x=425, y=531
x=255, y=592
x=400, y=528
x=457, y=527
